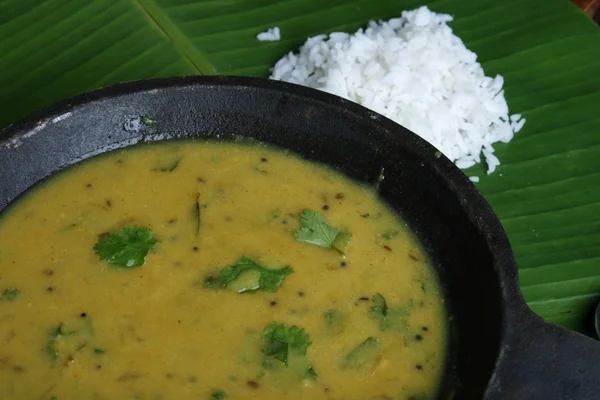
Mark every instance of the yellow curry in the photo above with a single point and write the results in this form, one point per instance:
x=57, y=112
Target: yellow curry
x=213, y=271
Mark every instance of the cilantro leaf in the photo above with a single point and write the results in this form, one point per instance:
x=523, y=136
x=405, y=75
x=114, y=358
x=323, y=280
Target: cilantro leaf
x=390, y=318
x=127, y=248
x=218, y=395
x=316, y=231
x=365, y=354
x=52, y=346
x=280, y=341
x=390, y=234
x=67, y=340
x=9, y=294
x=197, y=214
x=269, y=280
x=334, y=321
x=171, y=167
x=379, y=307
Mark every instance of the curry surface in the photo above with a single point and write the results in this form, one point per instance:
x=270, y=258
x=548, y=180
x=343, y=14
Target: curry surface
x=75, y=327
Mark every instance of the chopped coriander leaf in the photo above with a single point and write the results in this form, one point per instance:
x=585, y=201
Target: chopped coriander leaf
x=52, y=346
x=218, y=395
x=127, y=248
x=57, y=341
x=316, y=231
x=268, y=280
x=275, y=214
x=390, y=234
x=363, y=355
x=170, y=167
x=390, y=318
x=197, y=214
x=74, y=336
x=280, y=342
x=334, y=323
x=379, y=307
x=213, y=282
x=9, y=294
x=81, y=347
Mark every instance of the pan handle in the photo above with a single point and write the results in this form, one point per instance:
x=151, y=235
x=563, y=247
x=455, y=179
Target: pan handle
x=541, y=361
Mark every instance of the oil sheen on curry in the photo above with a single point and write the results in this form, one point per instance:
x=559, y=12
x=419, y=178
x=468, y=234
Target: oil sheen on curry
x=195, y=270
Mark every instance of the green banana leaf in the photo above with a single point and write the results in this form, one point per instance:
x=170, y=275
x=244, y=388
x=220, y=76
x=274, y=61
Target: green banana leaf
x=547, y=190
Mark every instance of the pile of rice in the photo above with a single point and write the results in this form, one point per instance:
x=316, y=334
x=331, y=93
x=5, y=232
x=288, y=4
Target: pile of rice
x=415, y=71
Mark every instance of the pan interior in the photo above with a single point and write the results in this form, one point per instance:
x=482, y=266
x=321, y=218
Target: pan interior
x=434, y=199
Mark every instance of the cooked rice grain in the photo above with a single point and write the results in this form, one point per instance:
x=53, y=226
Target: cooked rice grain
x=271, y=35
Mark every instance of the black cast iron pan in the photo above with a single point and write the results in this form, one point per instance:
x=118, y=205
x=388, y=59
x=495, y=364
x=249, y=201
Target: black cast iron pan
x=498, y=348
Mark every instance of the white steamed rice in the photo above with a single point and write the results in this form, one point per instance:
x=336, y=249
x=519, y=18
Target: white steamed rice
x=271, y=35
x=415, y=71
